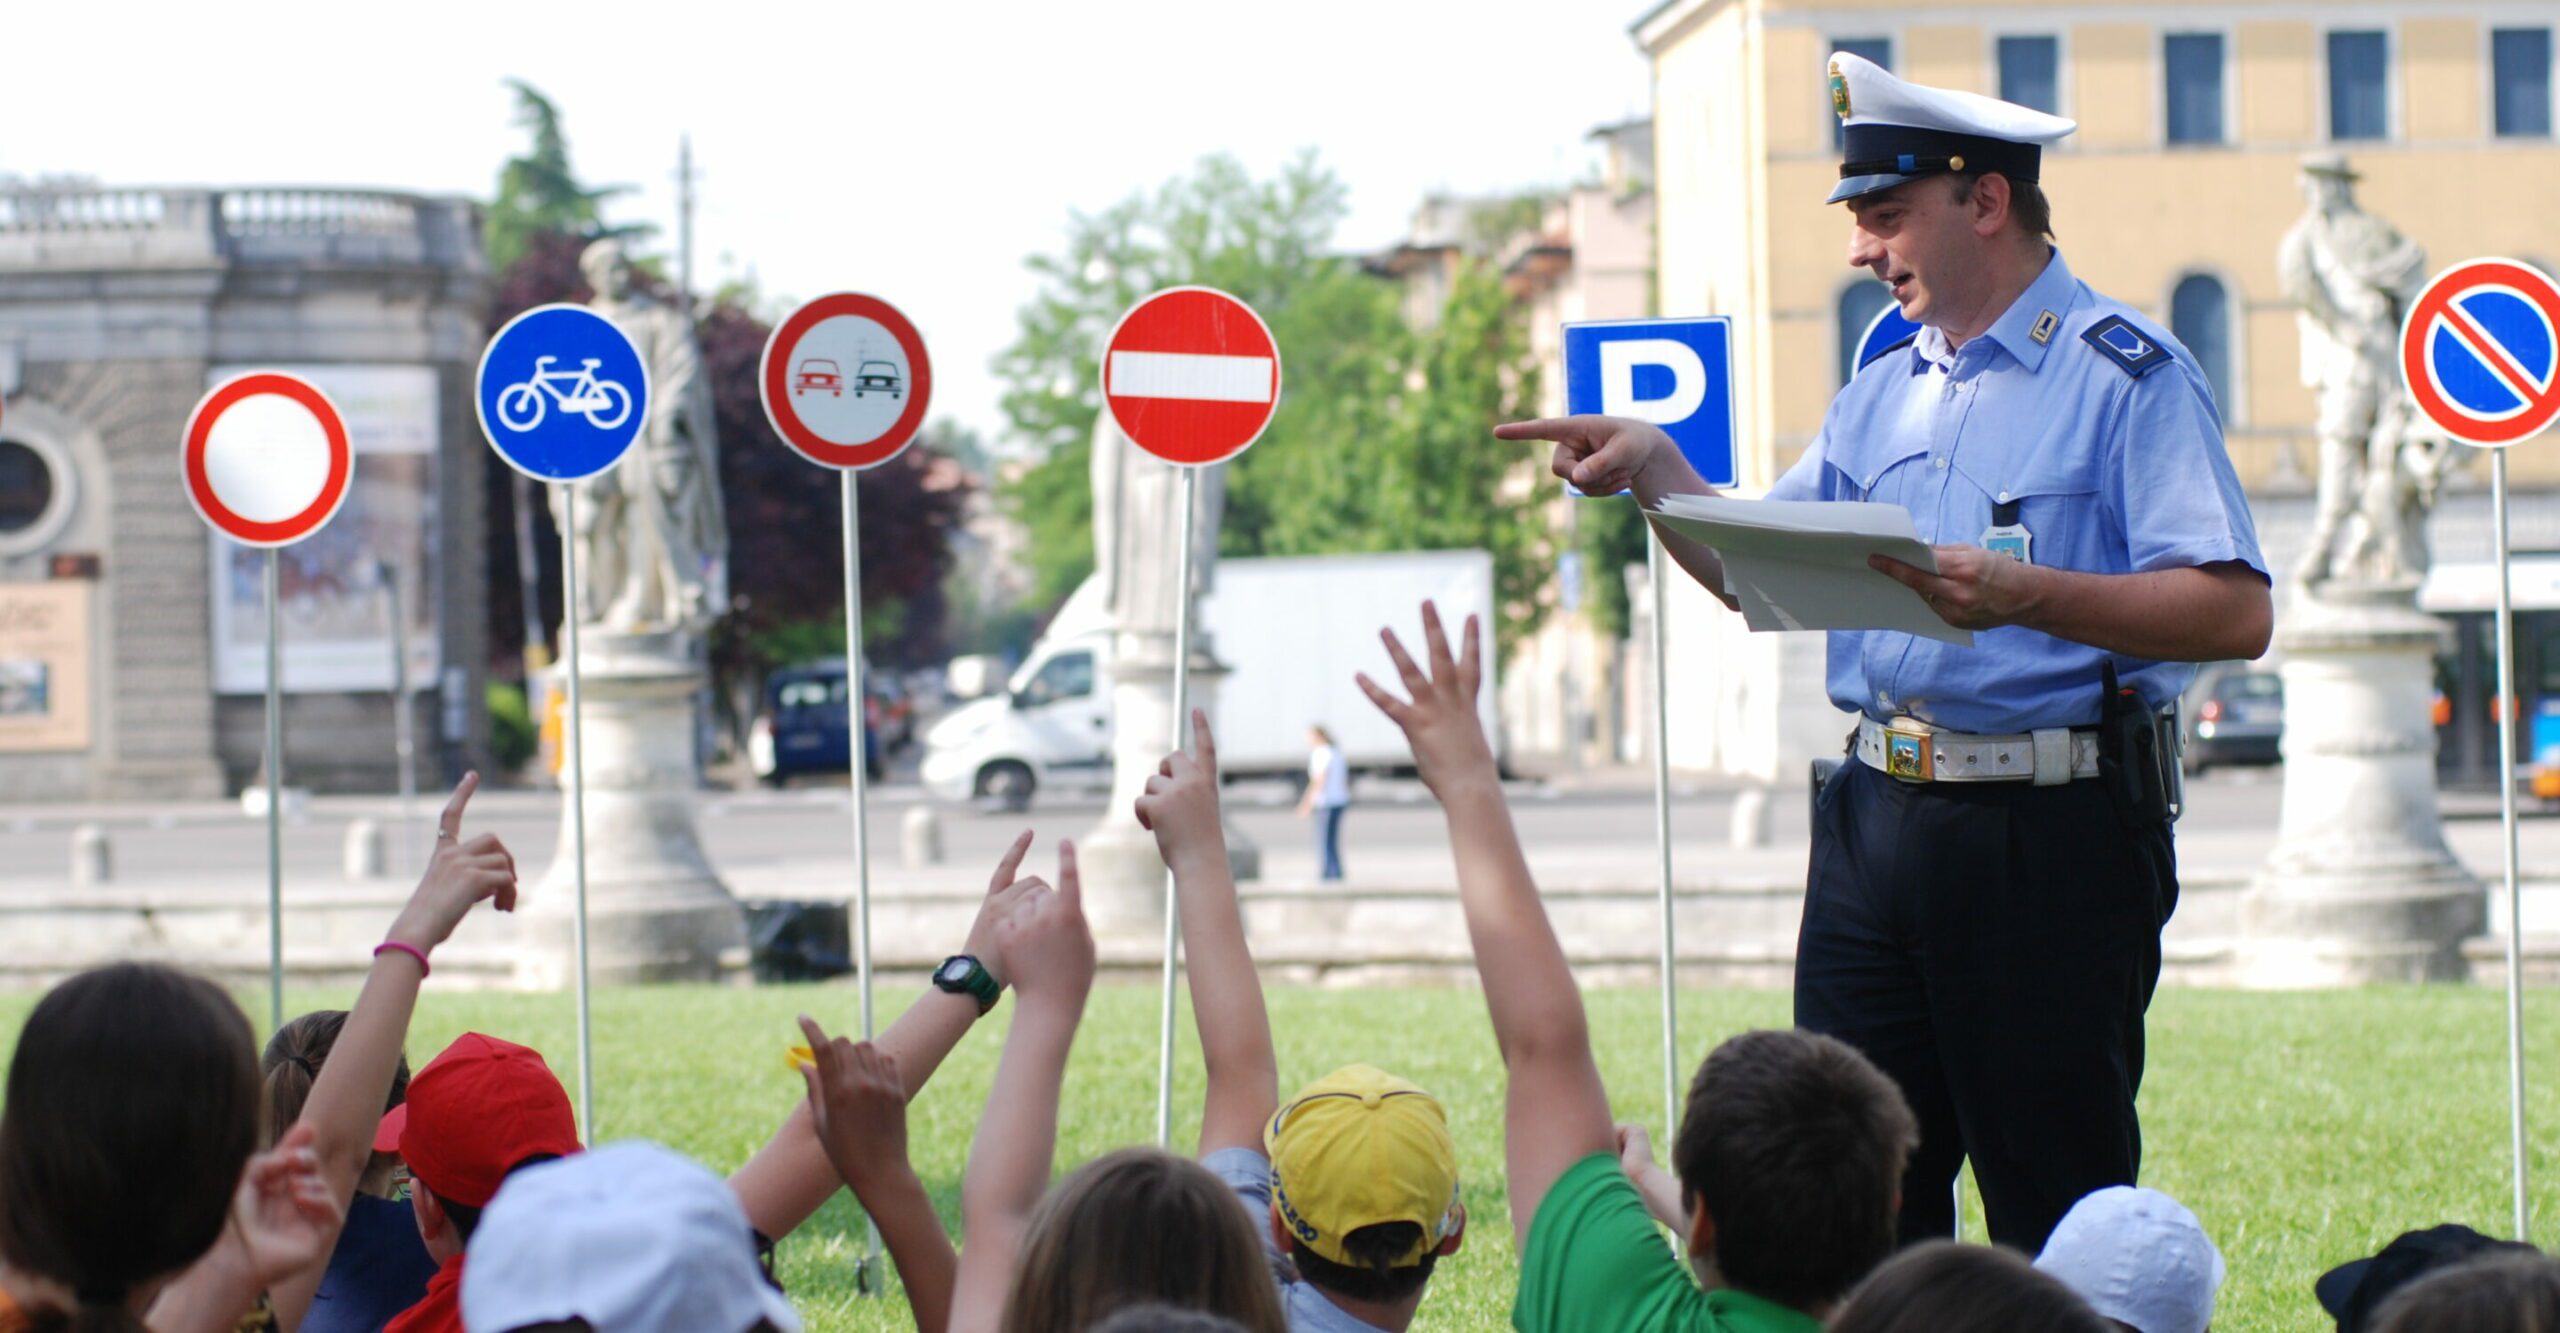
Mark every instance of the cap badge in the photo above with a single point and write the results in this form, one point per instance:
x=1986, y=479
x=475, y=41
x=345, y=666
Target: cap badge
x=2042, y=333
x=1839, y=91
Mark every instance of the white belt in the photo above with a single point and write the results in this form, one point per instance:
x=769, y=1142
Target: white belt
x=1915, y=752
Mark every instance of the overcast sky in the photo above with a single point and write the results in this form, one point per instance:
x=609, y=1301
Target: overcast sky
x=916, y=152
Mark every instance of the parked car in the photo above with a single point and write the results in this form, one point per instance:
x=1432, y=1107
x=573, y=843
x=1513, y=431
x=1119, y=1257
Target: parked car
x=2234, y=715
x=804, y=729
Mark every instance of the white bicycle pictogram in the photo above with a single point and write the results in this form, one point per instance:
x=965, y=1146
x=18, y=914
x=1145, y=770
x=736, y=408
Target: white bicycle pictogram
x=604, y=403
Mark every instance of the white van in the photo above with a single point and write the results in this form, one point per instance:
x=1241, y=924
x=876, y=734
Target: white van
x=1292, y=632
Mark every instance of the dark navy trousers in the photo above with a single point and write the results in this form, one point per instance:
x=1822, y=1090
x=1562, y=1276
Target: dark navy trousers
x=1992, y=947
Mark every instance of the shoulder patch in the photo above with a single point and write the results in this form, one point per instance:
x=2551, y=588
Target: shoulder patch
x=2130, y=348
x=1883, y=352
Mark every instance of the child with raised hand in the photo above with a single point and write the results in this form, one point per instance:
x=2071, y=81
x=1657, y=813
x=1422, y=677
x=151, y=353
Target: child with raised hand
x=1790, y=1149
x=1355, y=1183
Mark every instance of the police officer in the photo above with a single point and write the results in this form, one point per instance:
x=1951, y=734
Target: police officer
x=1991, y=872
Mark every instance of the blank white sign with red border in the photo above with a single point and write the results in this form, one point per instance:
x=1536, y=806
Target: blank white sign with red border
x=1191, y=375
x=266, y=458
x=845, y=381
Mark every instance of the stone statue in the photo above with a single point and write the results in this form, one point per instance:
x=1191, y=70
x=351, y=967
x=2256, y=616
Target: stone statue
x=2352, y=277
x=1137, y=531
x=652, y=542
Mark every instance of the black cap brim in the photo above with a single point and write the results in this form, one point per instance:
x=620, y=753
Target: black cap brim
x=2338, y=1286
x=1862, y=185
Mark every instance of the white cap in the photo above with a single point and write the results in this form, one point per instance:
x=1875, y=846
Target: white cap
x=631, y=1238
x=2138, y=1257
x=1896, y=131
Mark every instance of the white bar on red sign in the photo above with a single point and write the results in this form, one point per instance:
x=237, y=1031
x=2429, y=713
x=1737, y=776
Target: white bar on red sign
x=1217, y=379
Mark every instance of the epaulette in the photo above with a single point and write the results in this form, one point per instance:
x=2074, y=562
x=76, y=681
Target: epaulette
x=2129, y=348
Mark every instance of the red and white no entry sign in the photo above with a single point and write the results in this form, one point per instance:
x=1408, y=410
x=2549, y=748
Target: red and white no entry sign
x=1191, y=375
x=845, y=381
x=2481, y=350
x=266, y=459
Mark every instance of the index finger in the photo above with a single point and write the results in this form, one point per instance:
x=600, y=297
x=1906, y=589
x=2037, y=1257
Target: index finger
x=1070, y=884
x=1545, y=428
x=820, y=1050
x=451, y=820
x=1011, y=861
x=1204, y=747
x=1910, y=576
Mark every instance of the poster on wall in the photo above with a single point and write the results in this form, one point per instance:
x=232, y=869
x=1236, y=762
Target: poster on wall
x=337, y=617
x=44, y=667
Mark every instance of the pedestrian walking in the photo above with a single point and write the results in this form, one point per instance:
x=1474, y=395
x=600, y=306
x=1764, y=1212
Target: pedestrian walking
x=1328, y=793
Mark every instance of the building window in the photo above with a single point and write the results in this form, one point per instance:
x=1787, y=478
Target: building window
x=2031, y=71
x=1877, y=49
x=37, y=489
x=2200, y=316
x=2192, y=63
x=1860, y=303
x=2359, y=100
x=2520, y=70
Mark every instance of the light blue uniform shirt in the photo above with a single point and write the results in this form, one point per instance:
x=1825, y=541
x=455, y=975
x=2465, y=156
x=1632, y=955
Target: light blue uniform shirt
x=2114, y=472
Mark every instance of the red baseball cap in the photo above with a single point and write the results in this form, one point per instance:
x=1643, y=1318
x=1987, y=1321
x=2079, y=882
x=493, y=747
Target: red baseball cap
x=477, y=1111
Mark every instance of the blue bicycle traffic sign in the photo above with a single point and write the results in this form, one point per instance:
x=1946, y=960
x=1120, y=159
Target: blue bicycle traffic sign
x=562, y=393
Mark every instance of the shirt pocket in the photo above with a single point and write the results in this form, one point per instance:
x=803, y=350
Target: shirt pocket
x=2057, y=494
x=1872, y=468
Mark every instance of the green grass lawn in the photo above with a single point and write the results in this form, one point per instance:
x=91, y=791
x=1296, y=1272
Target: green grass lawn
x=2304, y=1129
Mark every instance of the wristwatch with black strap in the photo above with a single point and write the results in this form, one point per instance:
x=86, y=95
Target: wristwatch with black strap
x=962, y=974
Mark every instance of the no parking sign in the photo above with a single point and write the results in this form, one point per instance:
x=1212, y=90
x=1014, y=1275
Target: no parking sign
x=2480, y=349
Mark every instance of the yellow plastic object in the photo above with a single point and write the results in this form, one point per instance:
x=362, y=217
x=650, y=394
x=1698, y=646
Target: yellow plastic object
x=798, y=1058
x=2546, y=783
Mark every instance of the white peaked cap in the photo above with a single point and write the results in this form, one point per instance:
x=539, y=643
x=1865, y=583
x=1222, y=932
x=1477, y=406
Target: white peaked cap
x=1895, y=130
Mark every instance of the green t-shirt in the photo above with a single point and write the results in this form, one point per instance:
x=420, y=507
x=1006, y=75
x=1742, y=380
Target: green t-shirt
x=1597, y=1262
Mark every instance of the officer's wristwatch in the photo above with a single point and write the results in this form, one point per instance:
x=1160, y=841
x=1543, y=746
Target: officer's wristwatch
x=961, y=974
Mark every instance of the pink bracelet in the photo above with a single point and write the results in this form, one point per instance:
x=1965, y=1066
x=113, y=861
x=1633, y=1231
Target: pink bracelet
x=410, y=949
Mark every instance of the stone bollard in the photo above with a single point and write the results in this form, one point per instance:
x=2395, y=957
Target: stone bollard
x=1751, y=818
x=920, y=837
x=364, y=851
x=93, y=859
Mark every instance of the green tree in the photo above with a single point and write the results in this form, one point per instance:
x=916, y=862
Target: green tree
x=1382, y=439
x=538, y=193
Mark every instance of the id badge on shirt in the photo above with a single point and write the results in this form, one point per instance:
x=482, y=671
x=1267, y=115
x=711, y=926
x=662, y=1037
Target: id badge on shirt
x=2007, y=536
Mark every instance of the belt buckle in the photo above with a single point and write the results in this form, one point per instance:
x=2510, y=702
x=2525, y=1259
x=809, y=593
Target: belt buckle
x=1907, y=754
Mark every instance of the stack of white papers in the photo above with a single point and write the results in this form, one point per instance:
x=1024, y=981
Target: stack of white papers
x=1802, y=564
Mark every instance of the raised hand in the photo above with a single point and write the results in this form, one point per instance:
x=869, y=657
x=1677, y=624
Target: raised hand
x=1604, y=455
x=285, y=1212
x=458, y=875
x=1004, y=893
x=860, y=1105
x=1181, y=802
x=1439, y=716
x=1045, y=940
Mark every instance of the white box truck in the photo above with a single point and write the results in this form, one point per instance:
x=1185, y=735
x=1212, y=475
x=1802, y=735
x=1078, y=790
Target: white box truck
x=1292, y=632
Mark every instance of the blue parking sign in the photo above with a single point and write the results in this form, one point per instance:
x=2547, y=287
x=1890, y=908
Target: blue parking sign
x=1675, y=373
x=562, y=393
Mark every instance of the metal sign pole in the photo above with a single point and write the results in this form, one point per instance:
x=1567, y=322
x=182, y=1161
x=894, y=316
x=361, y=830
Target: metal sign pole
x=857, y=763
x=1653, y=562
x=576, y=734
x=275, y=797
x=2507, y=710
x=403, y=714
x=1181, y=725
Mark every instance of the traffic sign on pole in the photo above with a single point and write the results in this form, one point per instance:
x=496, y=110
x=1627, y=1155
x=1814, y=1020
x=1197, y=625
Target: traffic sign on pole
x=266, y=459
x=1675, y=373
x=562, y=393
x=845, y=381
x=1191, y=375
x=2480, y=348
x=1885, y=332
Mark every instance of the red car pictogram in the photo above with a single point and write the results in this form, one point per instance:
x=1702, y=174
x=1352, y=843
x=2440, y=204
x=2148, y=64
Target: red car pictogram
x=818, y=373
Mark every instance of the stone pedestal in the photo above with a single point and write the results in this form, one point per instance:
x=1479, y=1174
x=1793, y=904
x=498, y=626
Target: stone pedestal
x=656, y=911
x=2360, y=886
x=1123, y=876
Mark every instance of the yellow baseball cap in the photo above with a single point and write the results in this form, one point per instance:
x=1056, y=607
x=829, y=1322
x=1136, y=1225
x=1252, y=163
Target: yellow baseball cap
x=1357, y=1148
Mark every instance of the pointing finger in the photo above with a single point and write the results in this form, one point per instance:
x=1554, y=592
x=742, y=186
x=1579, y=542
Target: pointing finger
x=1011, y=861
x=1204, y=746
x=1070, y=884
x=451, y=821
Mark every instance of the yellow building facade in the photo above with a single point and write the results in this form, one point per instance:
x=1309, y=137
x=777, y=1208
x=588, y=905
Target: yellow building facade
x=1745, y=145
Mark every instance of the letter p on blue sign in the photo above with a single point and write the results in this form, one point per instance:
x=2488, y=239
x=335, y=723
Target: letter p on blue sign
x=1675, y=373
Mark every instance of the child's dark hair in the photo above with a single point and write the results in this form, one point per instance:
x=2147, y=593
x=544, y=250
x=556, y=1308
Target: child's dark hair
x=291, y=1064
x=132, y=1107
x=1943, y=1287
x=465, y=1217
x=1377, y=1278
x=1796, y=1146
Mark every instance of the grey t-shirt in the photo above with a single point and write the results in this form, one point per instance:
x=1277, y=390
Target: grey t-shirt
x=1248, y=1173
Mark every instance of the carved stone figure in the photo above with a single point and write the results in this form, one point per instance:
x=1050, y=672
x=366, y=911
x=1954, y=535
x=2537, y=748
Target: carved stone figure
x=1137, y=531
x=652, y=542
x=2352, y=277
